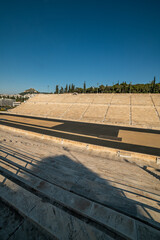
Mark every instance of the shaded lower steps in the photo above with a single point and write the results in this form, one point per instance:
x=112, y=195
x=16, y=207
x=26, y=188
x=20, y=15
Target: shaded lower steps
x=103, y=194
x=62, y=165
x=15, y=226
x=25, y=188
x=51, y=217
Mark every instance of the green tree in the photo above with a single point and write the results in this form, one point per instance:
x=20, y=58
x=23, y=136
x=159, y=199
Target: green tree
x=124, y=87
x=153, y=85
x=101, y=88
x=66, y=88
x=84, y=87
x=72, y=88
x=90, y=90
x=57, y=89
x=61, y=90
x=130, y=87
x=79, y=90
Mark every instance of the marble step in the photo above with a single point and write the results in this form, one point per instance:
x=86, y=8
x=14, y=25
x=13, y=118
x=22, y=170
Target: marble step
x=99, y=213
x=51, y=165
x=49, y=218
x=130, y=204
x=14, y=226
x=82, y=171
x=88, y=169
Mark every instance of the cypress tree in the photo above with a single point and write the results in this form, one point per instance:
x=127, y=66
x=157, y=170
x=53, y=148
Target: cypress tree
x=84, y=87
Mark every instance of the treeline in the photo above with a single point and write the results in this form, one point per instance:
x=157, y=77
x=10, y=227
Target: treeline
x=123, y=87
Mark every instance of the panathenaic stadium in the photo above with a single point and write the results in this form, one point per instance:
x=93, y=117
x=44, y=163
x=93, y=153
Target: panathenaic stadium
x=83, y=166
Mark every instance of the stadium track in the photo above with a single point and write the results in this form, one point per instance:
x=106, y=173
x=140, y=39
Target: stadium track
x=89, y=133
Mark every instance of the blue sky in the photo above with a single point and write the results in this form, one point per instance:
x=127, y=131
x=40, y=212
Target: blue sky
x=49, y=42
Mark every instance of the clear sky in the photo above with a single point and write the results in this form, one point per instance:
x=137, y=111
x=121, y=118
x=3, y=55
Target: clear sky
x=49, y=42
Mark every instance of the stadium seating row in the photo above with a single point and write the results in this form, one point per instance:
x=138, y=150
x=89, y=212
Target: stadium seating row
x=124, y=109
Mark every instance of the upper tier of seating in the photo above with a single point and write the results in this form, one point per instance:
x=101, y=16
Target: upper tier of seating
x=122, y=109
